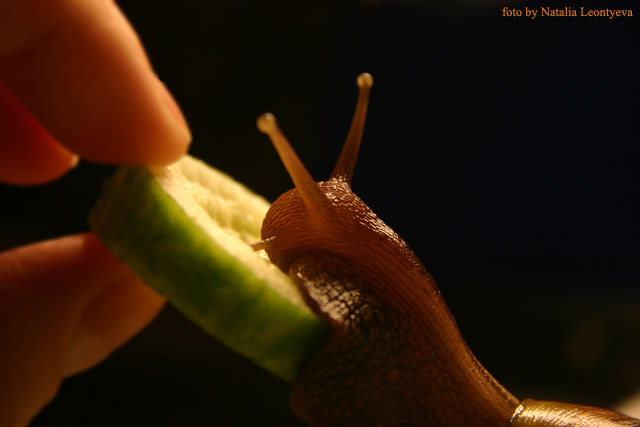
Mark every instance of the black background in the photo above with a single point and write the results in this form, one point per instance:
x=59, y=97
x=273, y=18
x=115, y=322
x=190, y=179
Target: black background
x=504, y=150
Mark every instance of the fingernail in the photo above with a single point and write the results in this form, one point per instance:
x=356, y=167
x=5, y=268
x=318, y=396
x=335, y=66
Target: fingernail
x=75, y=159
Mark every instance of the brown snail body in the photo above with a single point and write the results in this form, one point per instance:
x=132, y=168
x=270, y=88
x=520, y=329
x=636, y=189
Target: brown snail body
x=395, y=355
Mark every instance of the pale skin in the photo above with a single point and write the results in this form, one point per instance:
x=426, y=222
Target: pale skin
x=75, y=83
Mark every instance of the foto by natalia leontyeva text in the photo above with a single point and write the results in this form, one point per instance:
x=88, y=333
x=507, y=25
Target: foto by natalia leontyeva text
x=565, y=12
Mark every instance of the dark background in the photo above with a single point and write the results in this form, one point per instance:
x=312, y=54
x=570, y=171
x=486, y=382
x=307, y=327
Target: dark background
x=504, y=150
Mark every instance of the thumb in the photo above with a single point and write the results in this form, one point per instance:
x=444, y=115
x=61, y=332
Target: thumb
x=65, y=305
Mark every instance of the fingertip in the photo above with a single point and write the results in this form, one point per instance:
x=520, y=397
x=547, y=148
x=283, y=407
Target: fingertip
x=126, y=115
x=180, y=138
x=88, y=81
x=161, y=135
x=109, y=320
x=146, y=129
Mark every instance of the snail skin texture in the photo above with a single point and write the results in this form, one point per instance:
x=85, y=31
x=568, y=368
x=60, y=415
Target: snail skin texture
x=395, y=355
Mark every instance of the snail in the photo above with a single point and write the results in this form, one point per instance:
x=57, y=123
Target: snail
x=395, y=354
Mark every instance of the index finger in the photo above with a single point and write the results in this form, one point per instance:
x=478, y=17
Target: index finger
x=80, y=69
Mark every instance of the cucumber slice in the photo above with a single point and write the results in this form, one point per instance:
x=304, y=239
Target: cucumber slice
x=185, y=230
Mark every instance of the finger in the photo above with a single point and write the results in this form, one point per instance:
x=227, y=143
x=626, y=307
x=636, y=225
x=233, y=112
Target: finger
x=34, y=157
x=111, y=318
x=46, y=291
x=79, y=67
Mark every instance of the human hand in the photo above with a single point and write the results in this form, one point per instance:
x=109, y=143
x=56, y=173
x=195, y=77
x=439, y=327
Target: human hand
x=74, y=81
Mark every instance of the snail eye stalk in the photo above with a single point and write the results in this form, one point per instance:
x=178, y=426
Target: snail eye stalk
x=343, y=170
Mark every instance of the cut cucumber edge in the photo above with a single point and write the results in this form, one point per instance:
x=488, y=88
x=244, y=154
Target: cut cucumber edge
x=154, y=223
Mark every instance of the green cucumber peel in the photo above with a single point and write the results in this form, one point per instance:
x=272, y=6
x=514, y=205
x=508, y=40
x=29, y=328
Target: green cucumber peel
x=186, y=230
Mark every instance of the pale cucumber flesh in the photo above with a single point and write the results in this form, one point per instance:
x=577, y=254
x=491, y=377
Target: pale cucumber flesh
x=185, y=230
